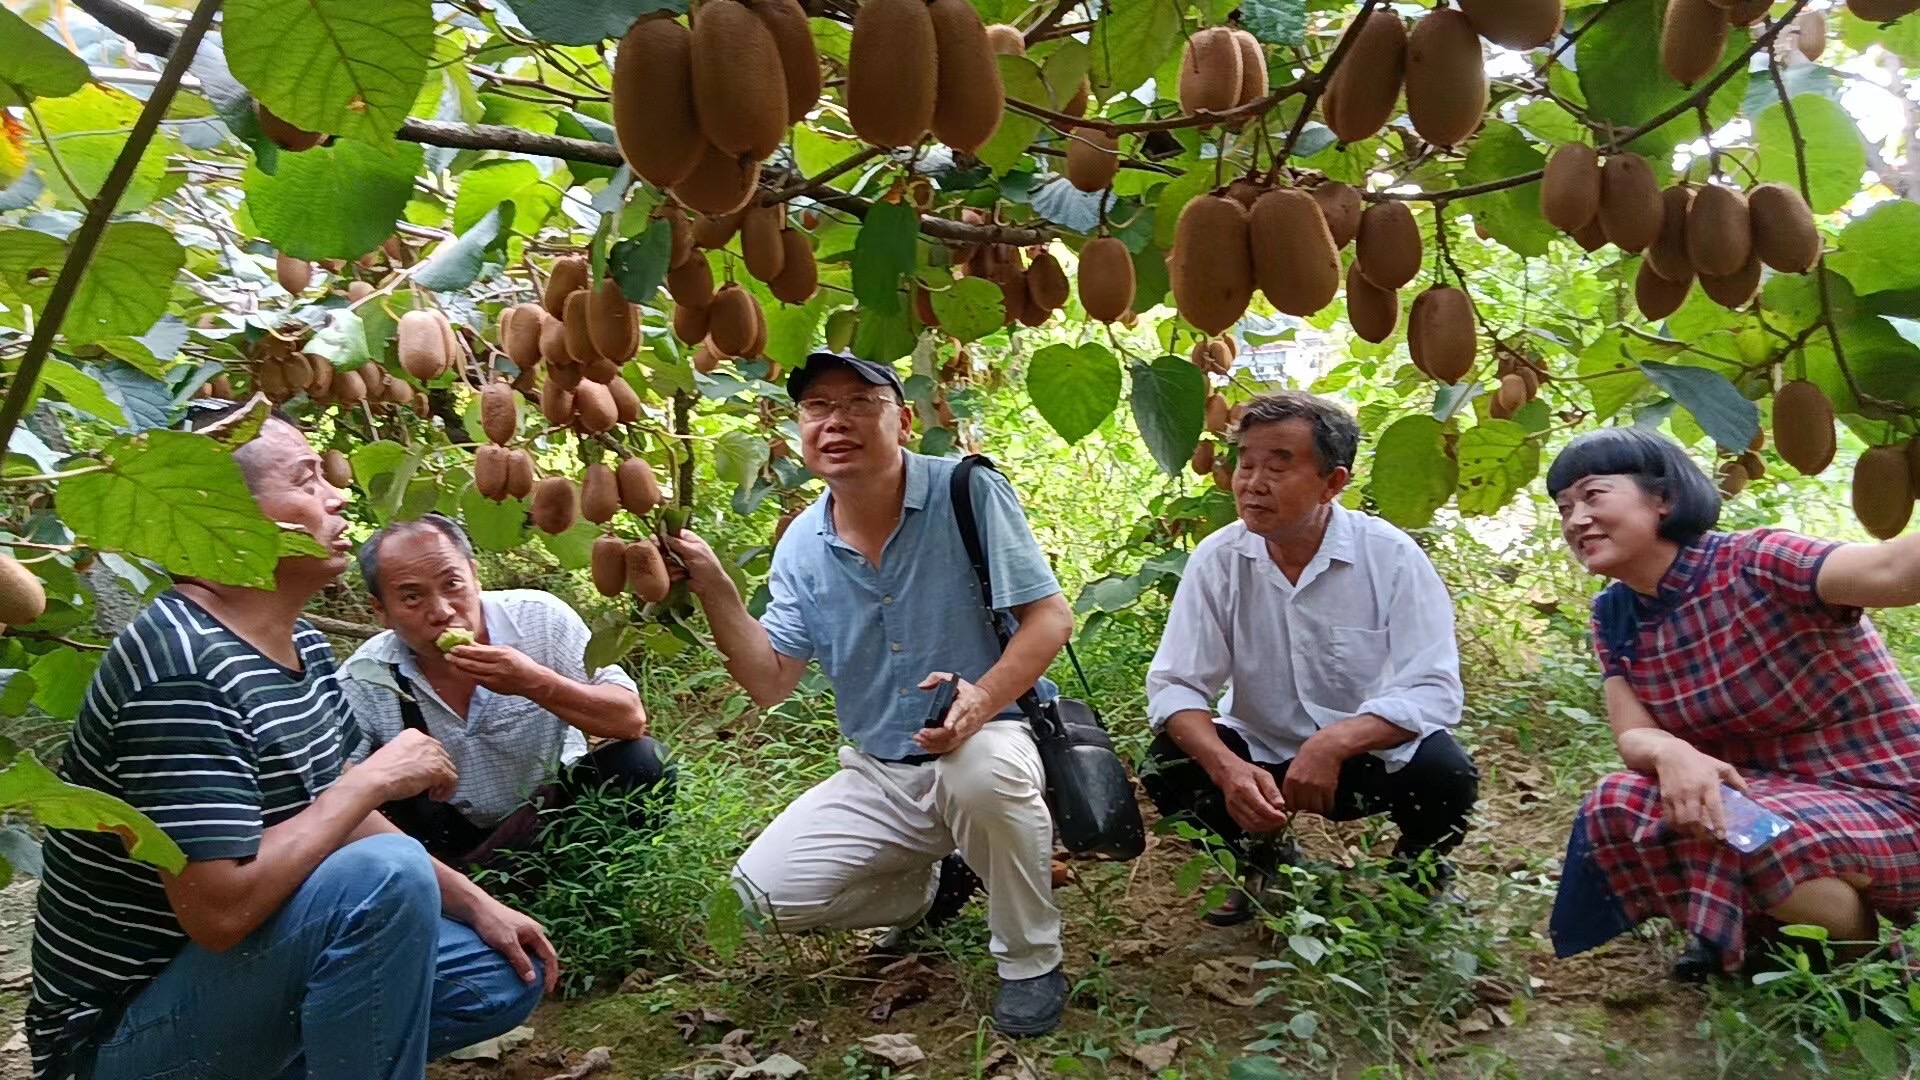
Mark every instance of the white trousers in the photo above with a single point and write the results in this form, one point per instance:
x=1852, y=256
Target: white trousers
x=860, y=849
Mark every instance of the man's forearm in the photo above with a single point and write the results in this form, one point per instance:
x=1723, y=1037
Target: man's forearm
x=1193, y=732
x=1032, y=649
x=457, y=892
x=743, y=643
x=1362, y=734
x=604, y=710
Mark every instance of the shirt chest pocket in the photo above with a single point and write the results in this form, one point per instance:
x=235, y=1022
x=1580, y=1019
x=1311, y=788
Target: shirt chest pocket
x=1357, y=656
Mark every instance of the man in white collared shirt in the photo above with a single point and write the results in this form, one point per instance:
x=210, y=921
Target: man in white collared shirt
x=1333, y=637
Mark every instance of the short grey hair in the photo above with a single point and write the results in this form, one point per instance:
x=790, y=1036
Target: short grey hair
x=1336, y=437
x=370, y=550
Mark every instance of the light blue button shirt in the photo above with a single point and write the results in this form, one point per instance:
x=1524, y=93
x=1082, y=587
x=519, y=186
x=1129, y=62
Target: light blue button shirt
x=877, y=631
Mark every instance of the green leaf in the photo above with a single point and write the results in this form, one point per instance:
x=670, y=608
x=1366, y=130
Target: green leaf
x=342, y=342
x=726, y=922
x=494, y=526
x=1550, y=120
x=1074, y=388
x=340, y=66
x=640, y=264
x=585, y=22
x=296, y=540
x=1022, y=79
x=883, y=337
x=1310, y=949
x=1170, y=408
x=1876, y=250
x=738, y=456
x=1191, y=874
x=333, y=202
x=969, y=309
x=573, y=549
x=1877, y=1045
x=611, y=643
x=1902, y=37
x=1611, y=392
x=30, y=786
x=82, y=391
x=1497, y=459
x=1174, y=198
x=1625, y=83
x=179, y=499
x=61, y=679
x=883, y=254
x=1275, y=22
x=89, y=129
x=1131, y=39
x=1836, y=154
x=1063, y=68
x=374, y=460
x=124, y=291
x=816, y=151
x=1512, y=216
x=1412, y=476
x=458, y=263
x=33, y=65
x=1716, y=405
x=486, y=186
x=1261, y=1068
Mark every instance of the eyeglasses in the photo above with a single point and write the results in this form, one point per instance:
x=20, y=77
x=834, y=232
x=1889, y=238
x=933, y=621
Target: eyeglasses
x=860, y=407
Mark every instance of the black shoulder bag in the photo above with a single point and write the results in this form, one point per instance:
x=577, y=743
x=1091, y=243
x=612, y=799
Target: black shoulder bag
x=1087, y=790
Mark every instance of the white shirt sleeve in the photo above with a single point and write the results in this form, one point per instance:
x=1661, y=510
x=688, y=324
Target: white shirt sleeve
x=1195, y=656
x=1422, y=691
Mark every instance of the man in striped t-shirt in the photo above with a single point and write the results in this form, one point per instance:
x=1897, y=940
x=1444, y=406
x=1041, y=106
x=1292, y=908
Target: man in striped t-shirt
x=306, y=937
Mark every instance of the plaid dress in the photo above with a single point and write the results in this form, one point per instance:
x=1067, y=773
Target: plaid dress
x=1738, y=656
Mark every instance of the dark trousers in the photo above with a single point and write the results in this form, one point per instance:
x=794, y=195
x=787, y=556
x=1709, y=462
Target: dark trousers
x=1429, y=798
x=634, y=766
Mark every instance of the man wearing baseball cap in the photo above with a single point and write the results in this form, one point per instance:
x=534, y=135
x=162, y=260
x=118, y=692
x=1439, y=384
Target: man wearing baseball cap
x=873, y=582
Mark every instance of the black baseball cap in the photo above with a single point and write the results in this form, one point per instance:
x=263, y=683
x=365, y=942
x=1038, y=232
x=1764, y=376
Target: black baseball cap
x=826, y=360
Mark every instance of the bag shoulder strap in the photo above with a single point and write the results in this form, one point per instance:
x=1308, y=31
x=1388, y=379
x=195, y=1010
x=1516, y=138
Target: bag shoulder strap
x=410, y=716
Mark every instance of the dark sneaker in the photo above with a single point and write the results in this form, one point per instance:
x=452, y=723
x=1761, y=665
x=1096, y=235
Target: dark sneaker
x=1261, y=860
x=1024, y=1008
x=958, y=885
x=1431, y=879
x=1699, y=963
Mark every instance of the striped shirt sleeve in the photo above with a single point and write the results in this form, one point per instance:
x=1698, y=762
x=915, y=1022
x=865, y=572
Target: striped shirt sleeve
x=186, y=759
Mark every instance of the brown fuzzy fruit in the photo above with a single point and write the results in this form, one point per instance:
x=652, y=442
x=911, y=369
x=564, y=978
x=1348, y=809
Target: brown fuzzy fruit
x=1719, y=234
x=337, y=469
x=1883, y=491
x=498, y=414
x=1295, y=262
x=626, y=402
x=1803, y=427
x=294, y=274
x=652, y=97
x=639, y=488
x=786, y=21
x=22, y=597
x=1372, y=310
x=1515, y=24
x=1446, y=78
x=1210, y=72
x=1882, y=11
x=705, y=359
x=1732, y=479
x=760, y=243
x=1253, y=68
x=609, y=566
x=1810, y=34
x=1747, y=12
x=647, y=571
x=578, y=326
x=422, y=347
x=721, y=183
x=970, y=98
x=612, y=322
x=1512, y=393
x=565, y=378
x=520, y=334
x=1212, y=266
x=555, y=505
x=1388, y=247
x=1006, y=40
x=892, y=72
x=570, y=273
x=1657, y=295
x=593, y=408
x=553, y=346
x=1591, y=237
x=1216, y=414
x=1202, y=462
x=1783, y=233
x=1693, y=36
x=680, y=232
x=799, y=274
x=691, y=283
x=556, y=404
x=1106, y=279
x=349, y=389
x=519, y=474
x=1341, y=207
x=1440, y=333
x=358, y=291
x=1093, y=158
x=1667, y=255
x=1570, y=190
x=1047, y=286
x=490, y=465
x=1367, y=82
x=599, y=499
x=732, y=321
x=1630, y=206
x=739, y=87
x=283, y=135
x=600, y=370
x=713, y=232
x=1735, y=289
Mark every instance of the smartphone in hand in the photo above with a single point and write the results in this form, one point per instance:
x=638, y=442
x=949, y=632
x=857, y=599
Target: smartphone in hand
x=1750, y=826
x=940, y=703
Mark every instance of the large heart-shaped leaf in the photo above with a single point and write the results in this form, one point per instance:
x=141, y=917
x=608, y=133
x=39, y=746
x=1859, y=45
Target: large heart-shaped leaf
x=342, y=66
x=124, y=291
x=333, y=202
x=33, y=65
x=1074, y=388
x=29, y=786
x=1497, y=459
x=1170, y=407
x=1412, y=476
x=883, y=255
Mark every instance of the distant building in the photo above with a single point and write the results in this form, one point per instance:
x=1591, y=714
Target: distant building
x=1295, y=360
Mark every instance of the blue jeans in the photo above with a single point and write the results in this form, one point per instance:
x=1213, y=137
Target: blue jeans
x=357, y=977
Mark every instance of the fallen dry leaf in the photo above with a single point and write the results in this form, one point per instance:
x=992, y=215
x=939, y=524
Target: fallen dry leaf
x=1128, y=950
x=906, y=982
x=777, y=1067
x=896, y=1049
x=495, y=1048
x=598, y=1058
x=1004, y=1064
x=1156, y=1056
x=637, y=980
x=1228, y=980
x=805, y=1030
x=691, y=1021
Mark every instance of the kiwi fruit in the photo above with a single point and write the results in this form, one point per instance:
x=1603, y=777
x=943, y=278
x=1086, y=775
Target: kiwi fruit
x=705, y=359
x=1747, y=12
x=1367, y=83
x=1446, y=78
x=739, y=84
x=786, y=21
x=570, y=274
x=578, y=325
x=689, y=323
x=626, y=401
x=721, y=183
x=1106, y=279
x=490, y=464
x=556, y=404
x=1006, y=40
x=1340, y=206
x=1371, y=310
x=22, y=597
x=1693, y=35
x=613, y=324
x=715, y=231
x=1656, y=295
x=1440, y=333
x=970, y=99
x=1756, y=466
x=349, y=389
x=1667, y=255
x=1047, y=286
x=1735, y=289
x=609, y=566
x=647, y=571
x=1253, y=69
x=639, y=489
x=691, y=283
x=498, y=414
x=556, y=505
x=679, y=233
x=564, y=378
x=421, y=345
x=1570, y=188
x=1202, y=462
x=293, y=274
x=593, y=408
x=1810, y=33
x=1210, y=72
x=1388, y=247
x=1784, y=236
x=599, y=498
x=553, y=346
x=1732, y=479
x=654, y=122
x=1591, y=237
x=1515, y=24
x=1883, y=491
x=1216, y=414
x=519, y=474
x=893, y=72
x=1719, y=233
x=1093, y=159
x=1631, y=210
x=1295, y=262
x=1212, y=265
x=1882, y=11
x=799, y=276
x=1512, y=393
x=1803, y=427
x=732, y=320
x=283, y=135
x=358, y=291
x=760, y=242
x=520, y=328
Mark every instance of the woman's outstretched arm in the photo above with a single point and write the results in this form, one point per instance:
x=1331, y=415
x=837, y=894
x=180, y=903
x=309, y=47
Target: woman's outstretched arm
x=1872, y=575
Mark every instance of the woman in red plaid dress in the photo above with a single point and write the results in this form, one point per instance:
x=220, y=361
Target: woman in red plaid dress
x=1744, y=659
